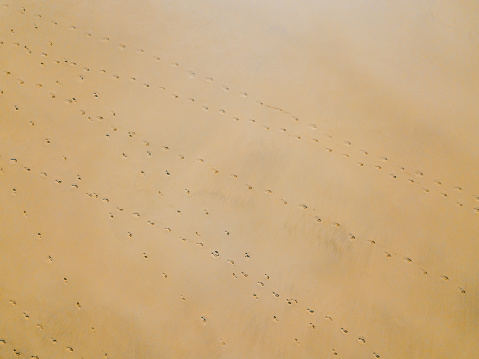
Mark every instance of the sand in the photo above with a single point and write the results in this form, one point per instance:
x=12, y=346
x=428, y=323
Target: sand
x=239, y=179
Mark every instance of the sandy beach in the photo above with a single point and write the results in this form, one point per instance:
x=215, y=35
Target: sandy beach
x=239, y=179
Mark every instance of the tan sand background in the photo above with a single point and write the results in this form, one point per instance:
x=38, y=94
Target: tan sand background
x=239, y=179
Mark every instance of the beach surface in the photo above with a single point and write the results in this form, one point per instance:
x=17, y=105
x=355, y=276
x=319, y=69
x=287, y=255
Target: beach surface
x=239, y=179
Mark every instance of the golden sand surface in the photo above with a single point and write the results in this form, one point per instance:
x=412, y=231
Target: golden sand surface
x=239, y=179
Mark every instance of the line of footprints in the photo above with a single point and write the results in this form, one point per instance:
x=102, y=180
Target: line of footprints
x=295, y=119
x=249, y=187
x=26, y=316
x=205, y=108
x=214, y=254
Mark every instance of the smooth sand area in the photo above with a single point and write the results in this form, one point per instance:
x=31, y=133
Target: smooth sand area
x=239, y=179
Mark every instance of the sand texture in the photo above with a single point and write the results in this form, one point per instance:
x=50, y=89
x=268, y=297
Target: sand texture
x=239, y=179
